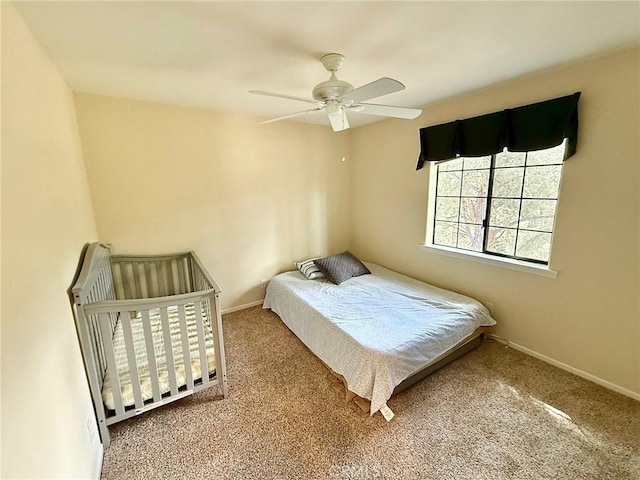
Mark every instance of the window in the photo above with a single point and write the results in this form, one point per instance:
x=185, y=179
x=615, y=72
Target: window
x=502, y=205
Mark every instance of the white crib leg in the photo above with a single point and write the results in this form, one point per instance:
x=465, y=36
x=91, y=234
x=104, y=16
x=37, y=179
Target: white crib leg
x=104, y=433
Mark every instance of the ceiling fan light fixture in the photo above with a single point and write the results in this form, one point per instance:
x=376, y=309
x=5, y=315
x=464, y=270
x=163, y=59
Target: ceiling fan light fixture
x=338, y=118
x=333, y=107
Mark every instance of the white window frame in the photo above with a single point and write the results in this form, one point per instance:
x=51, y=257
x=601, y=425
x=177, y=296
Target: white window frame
x=497, y=261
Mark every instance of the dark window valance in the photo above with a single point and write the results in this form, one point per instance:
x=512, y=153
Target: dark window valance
x=522, y=129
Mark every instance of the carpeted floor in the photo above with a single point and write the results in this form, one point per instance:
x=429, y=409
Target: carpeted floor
x=493, y=414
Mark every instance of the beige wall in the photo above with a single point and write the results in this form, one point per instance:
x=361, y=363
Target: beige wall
x=46, y=219
x=248, y=198
x=588, y=318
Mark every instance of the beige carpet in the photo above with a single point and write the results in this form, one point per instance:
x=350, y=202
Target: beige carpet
x=495, y=413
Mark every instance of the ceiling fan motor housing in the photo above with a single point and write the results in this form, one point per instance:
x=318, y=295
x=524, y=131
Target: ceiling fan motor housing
x=332, y=88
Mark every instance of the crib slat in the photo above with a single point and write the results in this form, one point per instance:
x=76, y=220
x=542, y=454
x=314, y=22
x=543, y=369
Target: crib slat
x=181, y=282
x=136, y=279
x=168, y=348
x=98, y=288
x=188, y=283
x=132, y=280
x=129, y=282
x=98, y=343
x=105, y=326
x=186, y=354
x=177, y=280
x=173, y=277
x=101, y=285
x=147, y=272
x=132, y=362
x=154, y=282
x=115, y=272
x=168, y=276
x=184, y=263
x=162, y=285
x=104, y=282
x=151, y=355
x=119, y=281
x=126, y=294
x=204, y=367
x=171, y=288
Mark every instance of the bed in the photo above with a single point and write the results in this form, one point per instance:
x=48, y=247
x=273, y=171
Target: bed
x=150, y=331
x=379, y=332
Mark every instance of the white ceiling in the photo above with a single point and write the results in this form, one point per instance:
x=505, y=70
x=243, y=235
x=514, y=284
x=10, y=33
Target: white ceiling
x=209, y=54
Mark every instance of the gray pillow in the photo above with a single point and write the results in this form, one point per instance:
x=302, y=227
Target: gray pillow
x=341, y=267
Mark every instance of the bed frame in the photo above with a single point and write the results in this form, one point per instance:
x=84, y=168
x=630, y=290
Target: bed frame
x=378, y=333
x=468, y=344
x=116, y=291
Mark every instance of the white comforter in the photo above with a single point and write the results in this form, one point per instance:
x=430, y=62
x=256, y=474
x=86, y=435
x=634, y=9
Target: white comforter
x=374, y=330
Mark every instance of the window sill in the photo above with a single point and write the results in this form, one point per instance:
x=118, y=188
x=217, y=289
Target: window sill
x=508, y=263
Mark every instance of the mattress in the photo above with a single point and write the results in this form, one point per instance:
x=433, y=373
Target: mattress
x=375, y=330
x=160, y=354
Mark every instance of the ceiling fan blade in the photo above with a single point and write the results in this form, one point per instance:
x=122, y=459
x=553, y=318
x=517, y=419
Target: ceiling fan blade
x=377, y=88
x=289, y=97
x=291, y=115
x=338, y=120
x=387, y=111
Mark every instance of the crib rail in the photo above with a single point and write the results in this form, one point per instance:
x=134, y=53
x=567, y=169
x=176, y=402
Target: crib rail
x=153, y=276
x=179, y=338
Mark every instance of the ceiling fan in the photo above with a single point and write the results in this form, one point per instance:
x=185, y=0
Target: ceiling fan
x=338, y=97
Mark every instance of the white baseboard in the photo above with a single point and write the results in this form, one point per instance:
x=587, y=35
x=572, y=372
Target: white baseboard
x=575, y=371
x=241, y=307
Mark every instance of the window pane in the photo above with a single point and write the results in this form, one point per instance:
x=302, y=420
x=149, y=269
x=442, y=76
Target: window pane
x=504, y=212
x=449, y=183
x=546, y=157
x=447, y=208
x=445, y=233
x=473, y=210
x=538, y=214
x=501, y=240
x=510, y=159
x=474, y=163
x=507, y=182
x=523, y=196
x=470, y=237
x=542, y=182
x=455, y=164
x=533, y=245
x=475, y=183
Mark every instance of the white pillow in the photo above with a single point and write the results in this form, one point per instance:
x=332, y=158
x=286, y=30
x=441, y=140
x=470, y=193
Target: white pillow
x=309, y=269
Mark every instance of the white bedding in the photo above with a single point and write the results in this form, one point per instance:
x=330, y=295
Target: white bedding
x=375, y=330
x=160, y=355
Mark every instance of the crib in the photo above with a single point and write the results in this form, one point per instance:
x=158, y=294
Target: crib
x=150, y=331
